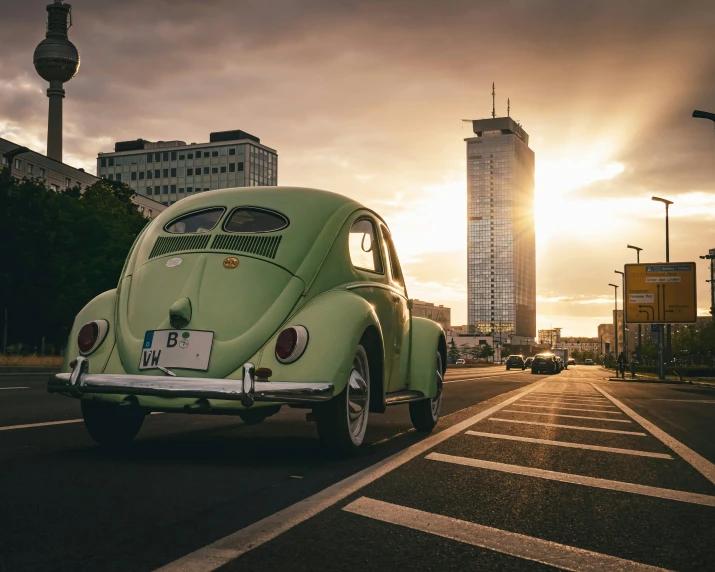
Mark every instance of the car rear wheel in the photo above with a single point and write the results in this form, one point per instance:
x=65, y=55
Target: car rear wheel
x=425, y=414
x=342, y=422
x=110, y=425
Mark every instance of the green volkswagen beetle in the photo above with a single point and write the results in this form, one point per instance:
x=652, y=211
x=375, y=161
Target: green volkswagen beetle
x=239, y=301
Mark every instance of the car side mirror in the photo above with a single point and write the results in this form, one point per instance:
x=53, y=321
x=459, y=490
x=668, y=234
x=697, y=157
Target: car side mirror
x=409, y=304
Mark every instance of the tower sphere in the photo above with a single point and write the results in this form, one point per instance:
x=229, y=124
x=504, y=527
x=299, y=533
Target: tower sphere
x=56, y=59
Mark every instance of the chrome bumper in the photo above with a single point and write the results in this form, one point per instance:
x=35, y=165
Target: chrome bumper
x=246, y=390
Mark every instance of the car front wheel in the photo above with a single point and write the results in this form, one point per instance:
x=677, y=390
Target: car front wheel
x=110, y=425
x=342, y=421
x=425, y=414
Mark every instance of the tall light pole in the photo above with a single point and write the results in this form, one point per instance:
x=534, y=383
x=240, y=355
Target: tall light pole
x=615, y=319
x=623, y=311
x=711, y=257
x=661, y=360
x=640, y=331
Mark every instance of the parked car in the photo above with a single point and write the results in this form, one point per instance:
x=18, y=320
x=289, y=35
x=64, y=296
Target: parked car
x=545, y=363
x=515, y=361
x=588, y=362
x=572, y=361
x=528, y=361
x=242, y=300
x=460, y=361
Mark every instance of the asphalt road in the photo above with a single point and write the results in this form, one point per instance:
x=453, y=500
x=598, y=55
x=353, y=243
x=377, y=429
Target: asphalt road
x=523, y=472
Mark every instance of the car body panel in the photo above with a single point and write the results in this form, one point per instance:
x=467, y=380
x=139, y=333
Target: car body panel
x=307, y=280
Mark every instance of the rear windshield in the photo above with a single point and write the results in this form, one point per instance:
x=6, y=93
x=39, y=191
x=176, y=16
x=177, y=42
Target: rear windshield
x=196, y=222
x=251, y=219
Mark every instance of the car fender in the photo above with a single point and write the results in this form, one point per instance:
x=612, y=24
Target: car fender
x=427, y=338
x=102, y=307
x=336, y=321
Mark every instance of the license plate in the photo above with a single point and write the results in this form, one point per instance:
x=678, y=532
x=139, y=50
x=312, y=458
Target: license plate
x=188, y=349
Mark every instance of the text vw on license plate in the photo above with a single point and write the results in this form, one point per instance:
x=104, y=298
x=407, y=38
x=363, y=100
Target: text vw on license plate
x=189, y=349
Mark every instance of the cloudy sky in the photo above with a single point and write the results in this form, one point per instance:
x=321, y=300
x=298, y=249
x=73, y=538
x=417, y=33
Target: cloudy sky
x=366, y=98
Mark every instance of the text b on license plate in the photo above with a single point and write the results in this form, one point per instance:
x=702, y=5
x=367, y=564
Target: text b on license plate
x=188, y=349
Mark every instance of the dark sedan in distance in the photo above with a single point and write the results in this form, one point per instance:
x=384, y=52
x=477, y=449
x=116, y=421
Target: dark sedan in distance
x=545, y=363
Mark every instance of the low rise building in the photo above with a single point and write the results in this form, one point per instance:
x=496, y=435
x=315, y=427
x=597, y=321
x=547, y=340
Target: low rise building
x=439, y=314
x=24, y=162
x=552, y=337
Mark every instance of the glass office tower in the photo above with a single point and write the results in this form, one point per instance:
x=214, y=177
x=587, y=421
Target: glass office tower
x=501, y=250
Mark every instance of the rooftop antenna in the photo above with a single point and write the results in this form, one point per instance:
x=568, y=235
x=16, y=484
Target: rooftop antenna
x=494, y=113
x=508, y=107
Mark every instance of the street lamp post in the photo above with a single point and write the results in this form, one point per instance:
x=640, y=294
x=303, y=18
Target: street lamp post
x=640, y=331
x=711, y=257
x=661, y=360
x=615, y=318
x=623, y=311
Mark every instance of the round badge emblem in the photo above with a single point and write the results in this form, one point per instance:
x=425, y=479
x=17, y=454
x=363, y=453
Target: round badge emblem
x=174, y=262
x=230, y=262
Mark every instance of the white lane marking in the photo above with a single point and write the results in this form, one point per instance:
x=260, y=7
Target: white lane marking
x=570, y=445
x=568, y=408
x=566, y=415
x=578, y=427
x=589, y=396
x=700, y=464
x=581, y=400
x=511, y=543
x=222, y=551
x=6, y=388
x=478, y=377
x=559, y=402
x=46, y=424
x=668, y=494
x=50, y=423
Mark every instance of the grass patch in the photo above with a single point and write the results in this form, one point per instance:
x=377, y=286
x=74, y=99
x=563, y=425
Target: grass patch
x=32, y=360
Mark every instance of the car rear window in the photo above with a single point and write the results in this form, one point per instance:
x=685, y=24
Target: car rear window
x=252, y=219
x=200, y=221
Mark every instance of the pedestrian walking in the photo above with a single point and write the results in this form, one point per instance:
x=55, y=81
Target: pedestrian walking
x=622, y=364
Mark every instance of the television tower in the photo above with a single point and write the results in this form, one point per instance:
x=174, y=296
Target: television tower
x=56, y=60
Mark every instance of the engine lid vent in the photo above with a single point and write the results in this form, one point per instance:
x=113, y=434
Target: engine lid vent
x=169, y=244
x=266, y=246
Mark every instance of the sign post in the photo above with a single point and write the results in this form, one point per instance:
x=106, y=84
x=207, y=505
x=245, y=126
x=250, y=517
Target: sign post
x=660, y=294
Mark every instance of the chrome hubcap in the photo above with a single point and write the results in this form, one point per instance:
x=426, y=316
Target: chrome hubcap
x=358, y=399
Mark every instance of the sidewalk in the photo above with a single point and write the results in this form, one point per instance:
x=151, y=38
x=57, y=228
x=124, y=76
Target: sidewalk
x=669, y=378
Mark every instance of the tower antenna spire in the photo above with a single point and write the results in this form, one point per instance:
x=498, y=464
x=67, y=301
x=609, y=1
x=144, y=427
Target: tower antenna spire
x=508, y=107
x=494, y=113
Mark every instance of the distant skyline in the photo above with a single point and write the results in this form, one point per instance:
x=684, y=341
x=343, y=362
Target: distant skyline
x=366, y=98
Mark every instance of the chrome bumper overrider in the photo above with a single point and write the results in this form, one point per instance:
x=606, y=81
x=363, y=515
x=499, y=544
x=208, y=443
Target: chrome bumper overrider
x=246, y=390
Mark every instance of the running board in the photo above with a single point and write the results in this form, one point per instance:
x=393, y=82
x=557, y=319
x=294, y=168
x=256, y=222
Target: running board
x=404, y=396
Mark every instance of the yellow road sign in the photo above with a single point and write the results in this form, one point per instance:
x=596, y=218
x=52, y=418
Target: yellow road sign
x=661, y=293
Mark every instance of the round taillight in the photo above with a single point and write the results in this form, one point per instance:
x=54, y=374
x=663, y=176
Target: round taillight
x=91, y=335
x=291, y=344
x=285, y=344
x=87, y=336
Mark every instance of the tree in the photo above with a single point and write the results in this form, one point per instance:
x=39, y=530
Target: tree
x=453, y=351
x=464, y=350
x=59, y=250
x=475, y=352
x=487, y=351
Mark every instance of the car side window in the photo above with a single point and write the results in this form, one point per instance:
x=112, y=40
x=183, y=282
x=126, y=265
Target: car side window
x=364, y=247
x=395, y=269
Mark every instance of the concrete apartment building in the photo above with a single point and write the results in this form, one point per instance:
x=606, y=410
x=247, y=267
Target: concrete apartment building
x=582, y=344
x=501, y=272
x=167, y=171
x=440, y=314
x=24, y=162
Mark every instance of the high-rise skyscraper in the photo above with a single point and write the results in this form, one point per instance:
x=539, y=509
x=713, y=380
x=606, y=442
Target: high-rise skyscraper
x=501, y=250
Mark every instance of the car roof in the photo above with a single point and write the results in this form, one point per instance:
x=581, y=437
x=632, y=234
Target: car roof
x=315, y=218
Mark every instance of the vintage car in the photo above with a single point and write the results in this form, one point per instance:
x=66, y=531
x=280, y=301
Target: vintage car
x=239, y=301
